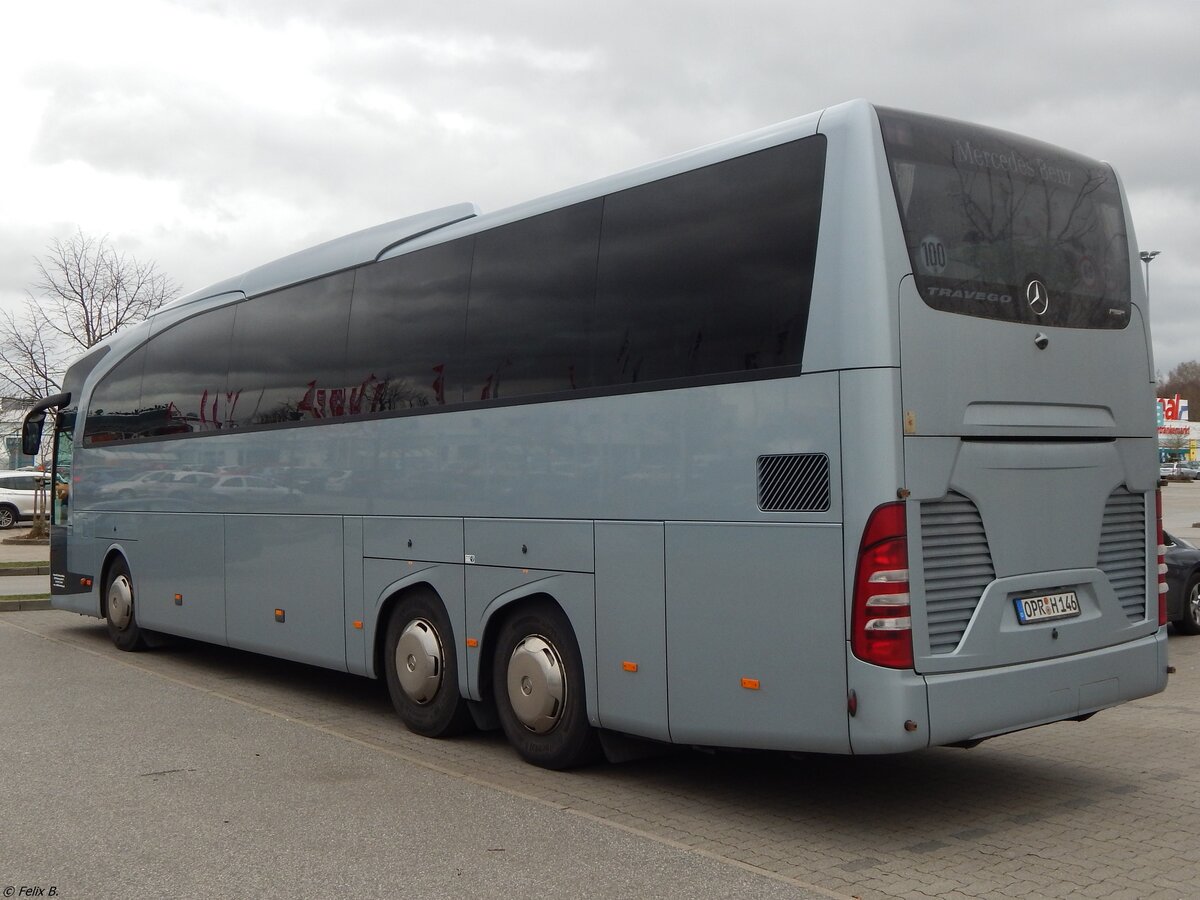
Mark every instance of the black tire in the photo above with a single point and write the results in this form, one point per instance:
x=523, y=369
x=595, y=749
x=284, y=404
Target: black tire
x=421, y=665
x=536, y=649
x=120, y=610
x=8, y=516
x=1189, y=616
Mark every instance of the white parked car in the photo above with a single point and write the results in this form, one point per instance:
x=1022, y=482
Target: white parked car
x=1184, y=469
x=17, y=492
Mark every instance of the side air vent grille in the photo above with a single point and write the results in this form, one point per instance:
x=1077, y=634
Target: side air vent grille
x=1122, y=555
x=793, y=482
x=957, y=565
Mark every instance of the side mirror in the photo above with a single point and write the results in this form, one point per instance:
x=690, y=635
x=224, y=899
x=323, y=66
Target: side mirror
x=31, y=434
x=35, y=421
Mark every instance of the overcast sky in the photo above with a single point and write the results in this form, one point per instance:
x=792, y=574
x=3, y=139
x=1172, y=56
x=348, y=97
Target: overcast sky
x=212, y=136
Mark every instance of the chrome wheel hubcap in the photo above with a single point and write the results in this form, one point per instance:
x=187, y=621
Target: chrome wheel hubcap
x=537, y=687
x=419, y=661
x=120, y=602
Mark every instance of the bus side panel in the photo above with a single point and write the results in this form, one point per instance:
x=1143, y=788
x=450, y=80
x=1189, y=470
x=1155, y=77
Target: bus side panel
x=491, y=590
x=83, y=558
x=182, y=556
x=410, y=538
x=292, y=564
x=874, y=473
x=357, y=652
x=631, y=628
x=755, y=636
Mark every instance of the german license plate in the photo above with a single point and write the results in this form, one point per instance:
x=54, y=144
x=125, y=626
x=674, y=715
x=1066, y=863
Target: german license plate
x=1046, y=607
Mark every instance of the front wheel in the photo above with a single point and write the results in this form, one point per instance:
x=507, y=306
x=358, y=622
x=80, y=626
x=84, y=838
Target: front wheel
x=422, y=667
x=537, y=677
x=1189, y=623
x=8, y=517
x=119, y=608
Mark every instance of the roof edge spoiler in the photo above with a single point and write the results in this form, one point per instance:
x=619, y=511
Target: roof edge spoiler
x=35, y=420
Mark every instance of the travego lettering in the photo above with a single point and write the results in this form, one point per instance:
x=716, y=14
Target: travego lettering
x=957, y=294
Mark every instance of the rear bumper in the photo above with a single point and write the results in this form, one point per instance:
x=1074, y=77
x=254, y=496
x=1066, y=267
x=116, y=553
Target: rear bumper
x=972, y=705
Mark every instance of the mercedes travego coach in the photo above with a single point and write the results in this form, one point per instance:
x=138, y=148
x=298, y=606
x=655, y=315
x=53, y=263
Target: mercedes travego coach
x=838, y=436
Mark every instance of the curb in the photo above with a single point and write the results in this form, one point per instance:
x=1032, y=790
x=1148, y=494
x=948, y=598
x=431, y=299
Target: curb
x=22, y=605
x=33, y=569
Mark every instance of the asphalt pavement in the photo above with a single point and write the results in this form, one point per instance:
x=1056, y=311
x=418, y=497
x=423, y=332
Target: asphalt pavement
x=125, y=782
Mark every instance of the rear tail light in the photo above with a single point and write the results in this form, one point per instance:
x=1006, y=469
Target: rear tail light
x=1162, y=561
x=881, y=621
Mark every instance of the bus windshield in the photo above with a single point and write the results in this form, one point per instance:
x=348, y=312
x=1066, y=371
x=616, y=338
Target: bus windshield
x=1008, y=228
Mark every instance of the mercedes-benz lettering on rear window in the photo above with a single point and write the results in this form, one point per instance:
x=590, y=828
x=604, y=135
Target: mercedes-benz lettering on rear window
x=1008, y=228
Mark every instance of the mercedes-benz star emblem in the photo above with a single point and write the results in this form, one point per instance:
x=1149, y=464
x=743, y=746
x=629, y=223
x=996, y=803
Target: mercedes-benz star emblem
x=1037, y=297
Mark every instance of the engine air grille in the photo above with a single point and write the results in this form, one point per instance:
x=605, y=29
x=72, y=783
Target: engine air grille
x=957, y=565
x=1122, y=554
x=793, y=482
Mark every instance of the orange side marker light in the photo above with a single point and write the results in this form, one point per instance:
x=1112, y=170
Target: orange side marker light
x=629, y=666
x=750, y=684
x=472, y=642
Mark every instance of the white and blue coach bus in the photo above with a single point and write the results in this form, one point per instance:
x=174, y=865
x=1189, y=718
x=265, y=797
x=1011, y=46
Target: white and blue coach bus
x=838, y=436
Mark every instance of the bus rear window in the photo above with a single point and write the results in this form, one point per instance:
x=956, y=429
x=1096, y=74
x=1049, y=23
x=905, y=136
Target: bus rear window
x=1007, y=228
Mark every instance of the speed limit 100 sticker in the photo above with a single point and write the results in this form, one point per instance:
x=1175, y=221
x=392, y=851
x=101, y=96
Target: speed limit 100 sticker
x=931, y=255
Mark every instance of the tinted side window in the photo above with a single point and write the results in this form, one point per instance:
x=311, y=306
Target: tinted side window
x=114, y=411
x=710, y=271
x=533, y=284
x=288, y=359
x=406, y=330
x=183, y=387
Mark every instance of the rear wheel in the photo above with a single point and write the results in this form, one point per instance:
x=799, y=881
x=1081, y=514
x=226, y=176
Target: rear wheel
x=119, y=608
x=421, y=662
x=8, y=516
x=537, y=677
x=1189, y=622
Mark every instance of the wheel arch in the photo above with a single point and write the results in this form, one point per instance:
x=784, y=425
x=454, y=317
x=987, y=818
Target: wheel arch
x=574, y=596
x=110, y=557
x=496, y=615
x=392, y=596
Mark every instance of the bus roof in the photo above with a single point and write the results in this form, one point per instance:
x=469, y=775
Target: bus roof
x=332, y=256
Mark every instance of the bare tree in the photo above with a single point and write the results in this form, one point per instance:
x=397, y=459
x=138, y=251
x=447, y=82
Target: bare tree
x=86, y=290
